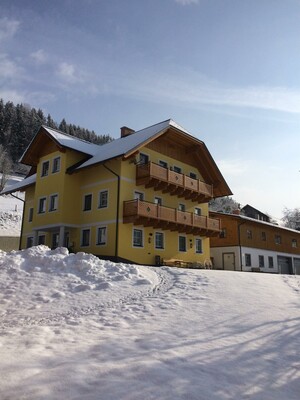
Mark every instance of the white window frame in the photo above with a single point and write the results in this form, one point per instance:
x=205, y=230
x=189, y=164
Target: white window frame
x=163, y=164
x=142, y=238
x=41, y=236
x=185, y=242
x=137, y=194
x=104, y=243
x=177, y=170
x=83, y=205
x=81, y=237
x=181, y=207
x=30, y=214
x=53, y=196
x=270, y=264
x=197, y=251
x=42, y=169
x=99, y=198
x=55, y=171
x=158, y=200
x=248, y=264
x=261, y=261
x=161, y=234
x=294, y=243
x=45, y=205
x=198, y=211
x=143, y=155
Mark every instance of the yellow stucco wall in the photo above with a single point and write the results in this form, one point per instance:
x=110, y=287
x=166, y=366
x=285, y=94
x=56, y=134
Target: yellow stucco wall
x=71, y=189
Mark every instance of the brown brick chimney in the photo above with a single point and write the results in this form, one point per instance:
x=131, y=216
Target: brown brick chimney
x=126, y=131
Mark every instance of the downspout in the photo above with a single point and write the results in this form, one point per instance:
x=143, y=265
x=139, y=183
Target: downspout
x=240, y=246
x=23, y=214
x=117, y=214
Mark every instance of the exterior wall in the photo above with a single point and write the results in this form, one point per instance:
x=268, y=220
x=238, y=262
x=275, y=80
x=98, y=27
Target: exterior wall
x=70, y=215
x=256, y=239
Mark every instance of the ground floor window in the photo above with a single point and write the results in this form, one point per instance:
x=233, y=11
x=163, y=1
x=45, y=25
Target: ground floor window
x=182, y=243
x=29, y=242
x=101, y=235
x=271, y=262
x=198, y=245
x=55, y=240
x=42, y=239
x=137, y=238
x=159, y=240
x=85, y=237
x=261, y=261
x=248, y=260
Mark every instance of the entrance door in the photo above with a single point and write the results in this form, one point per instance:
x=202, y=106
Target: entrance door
x=229, y=261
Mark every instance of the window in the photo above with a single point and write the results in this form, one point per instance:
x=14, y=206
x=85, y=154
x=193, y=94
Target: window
x=42, y=205
x=193, y=175
x=29, y=242
x=103, y=199
x=158, y=200
x=182, y=243
x=56, y=165
x=181, y=207
x=197, y=211
x=87, y=202
x=42, y=239
x=177, y=169
x=85, y=237
x=159, y=240
x=198, y=245
x=263, y=236
x=223, y=233
x=139, y=196
x=137, y=238
x=144, y=159
x=55, y=240
x=101, y=235
x=249, y=234
x=277, y=239
x=163, y=164
x=248, y=260
x=45, y=168
x=30, y=216
x=271, y=262
x=261, y=261
x=53, y=202
x=294, y=242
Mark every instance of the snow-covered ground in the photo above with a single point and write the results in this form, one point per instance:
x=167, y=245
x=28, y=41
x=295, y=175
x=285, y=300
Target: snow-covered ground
x=76, y=327
x=11, y=211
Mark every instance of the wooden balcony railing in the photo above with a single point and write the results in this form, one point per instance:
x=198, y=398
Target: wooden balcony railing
x=174, y=183
x=150, y=214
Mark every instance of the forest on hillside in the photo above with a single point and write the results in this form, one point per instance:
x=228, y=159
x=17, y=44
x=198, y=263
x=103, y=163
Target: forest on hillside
x=18, y=125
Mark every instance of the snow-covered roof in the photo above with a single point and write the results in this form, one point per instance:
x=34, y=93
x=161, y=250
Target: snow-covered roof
x=123, y=145
x=73, y=142
x=19, y=185
x=258, y=221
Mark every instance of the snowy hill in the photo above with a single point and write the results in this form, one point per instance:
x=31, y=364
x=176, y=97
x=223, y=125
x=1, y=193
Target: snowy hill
x=11, y=211
x=76, y=327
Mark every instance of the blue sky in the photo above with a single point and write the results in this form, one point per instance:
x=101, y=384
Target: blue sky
x=228, y=71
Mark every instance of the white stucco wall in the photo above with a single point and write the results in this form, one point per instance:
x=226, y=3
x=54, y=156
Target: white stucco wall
x=217, y=253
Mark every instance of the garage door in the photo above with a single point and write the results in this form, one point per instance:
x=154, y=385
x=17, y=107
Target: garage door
x=285, y=265
x=297, y=266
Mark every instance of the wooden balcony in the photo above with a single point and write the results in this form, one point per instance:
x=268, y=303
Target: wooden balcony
x=145, y=213
x=174, y=183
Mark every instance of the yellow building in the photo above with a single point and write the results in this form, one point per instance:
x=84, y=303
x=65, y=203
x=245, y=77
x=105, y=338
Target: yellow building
x=141, y=198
